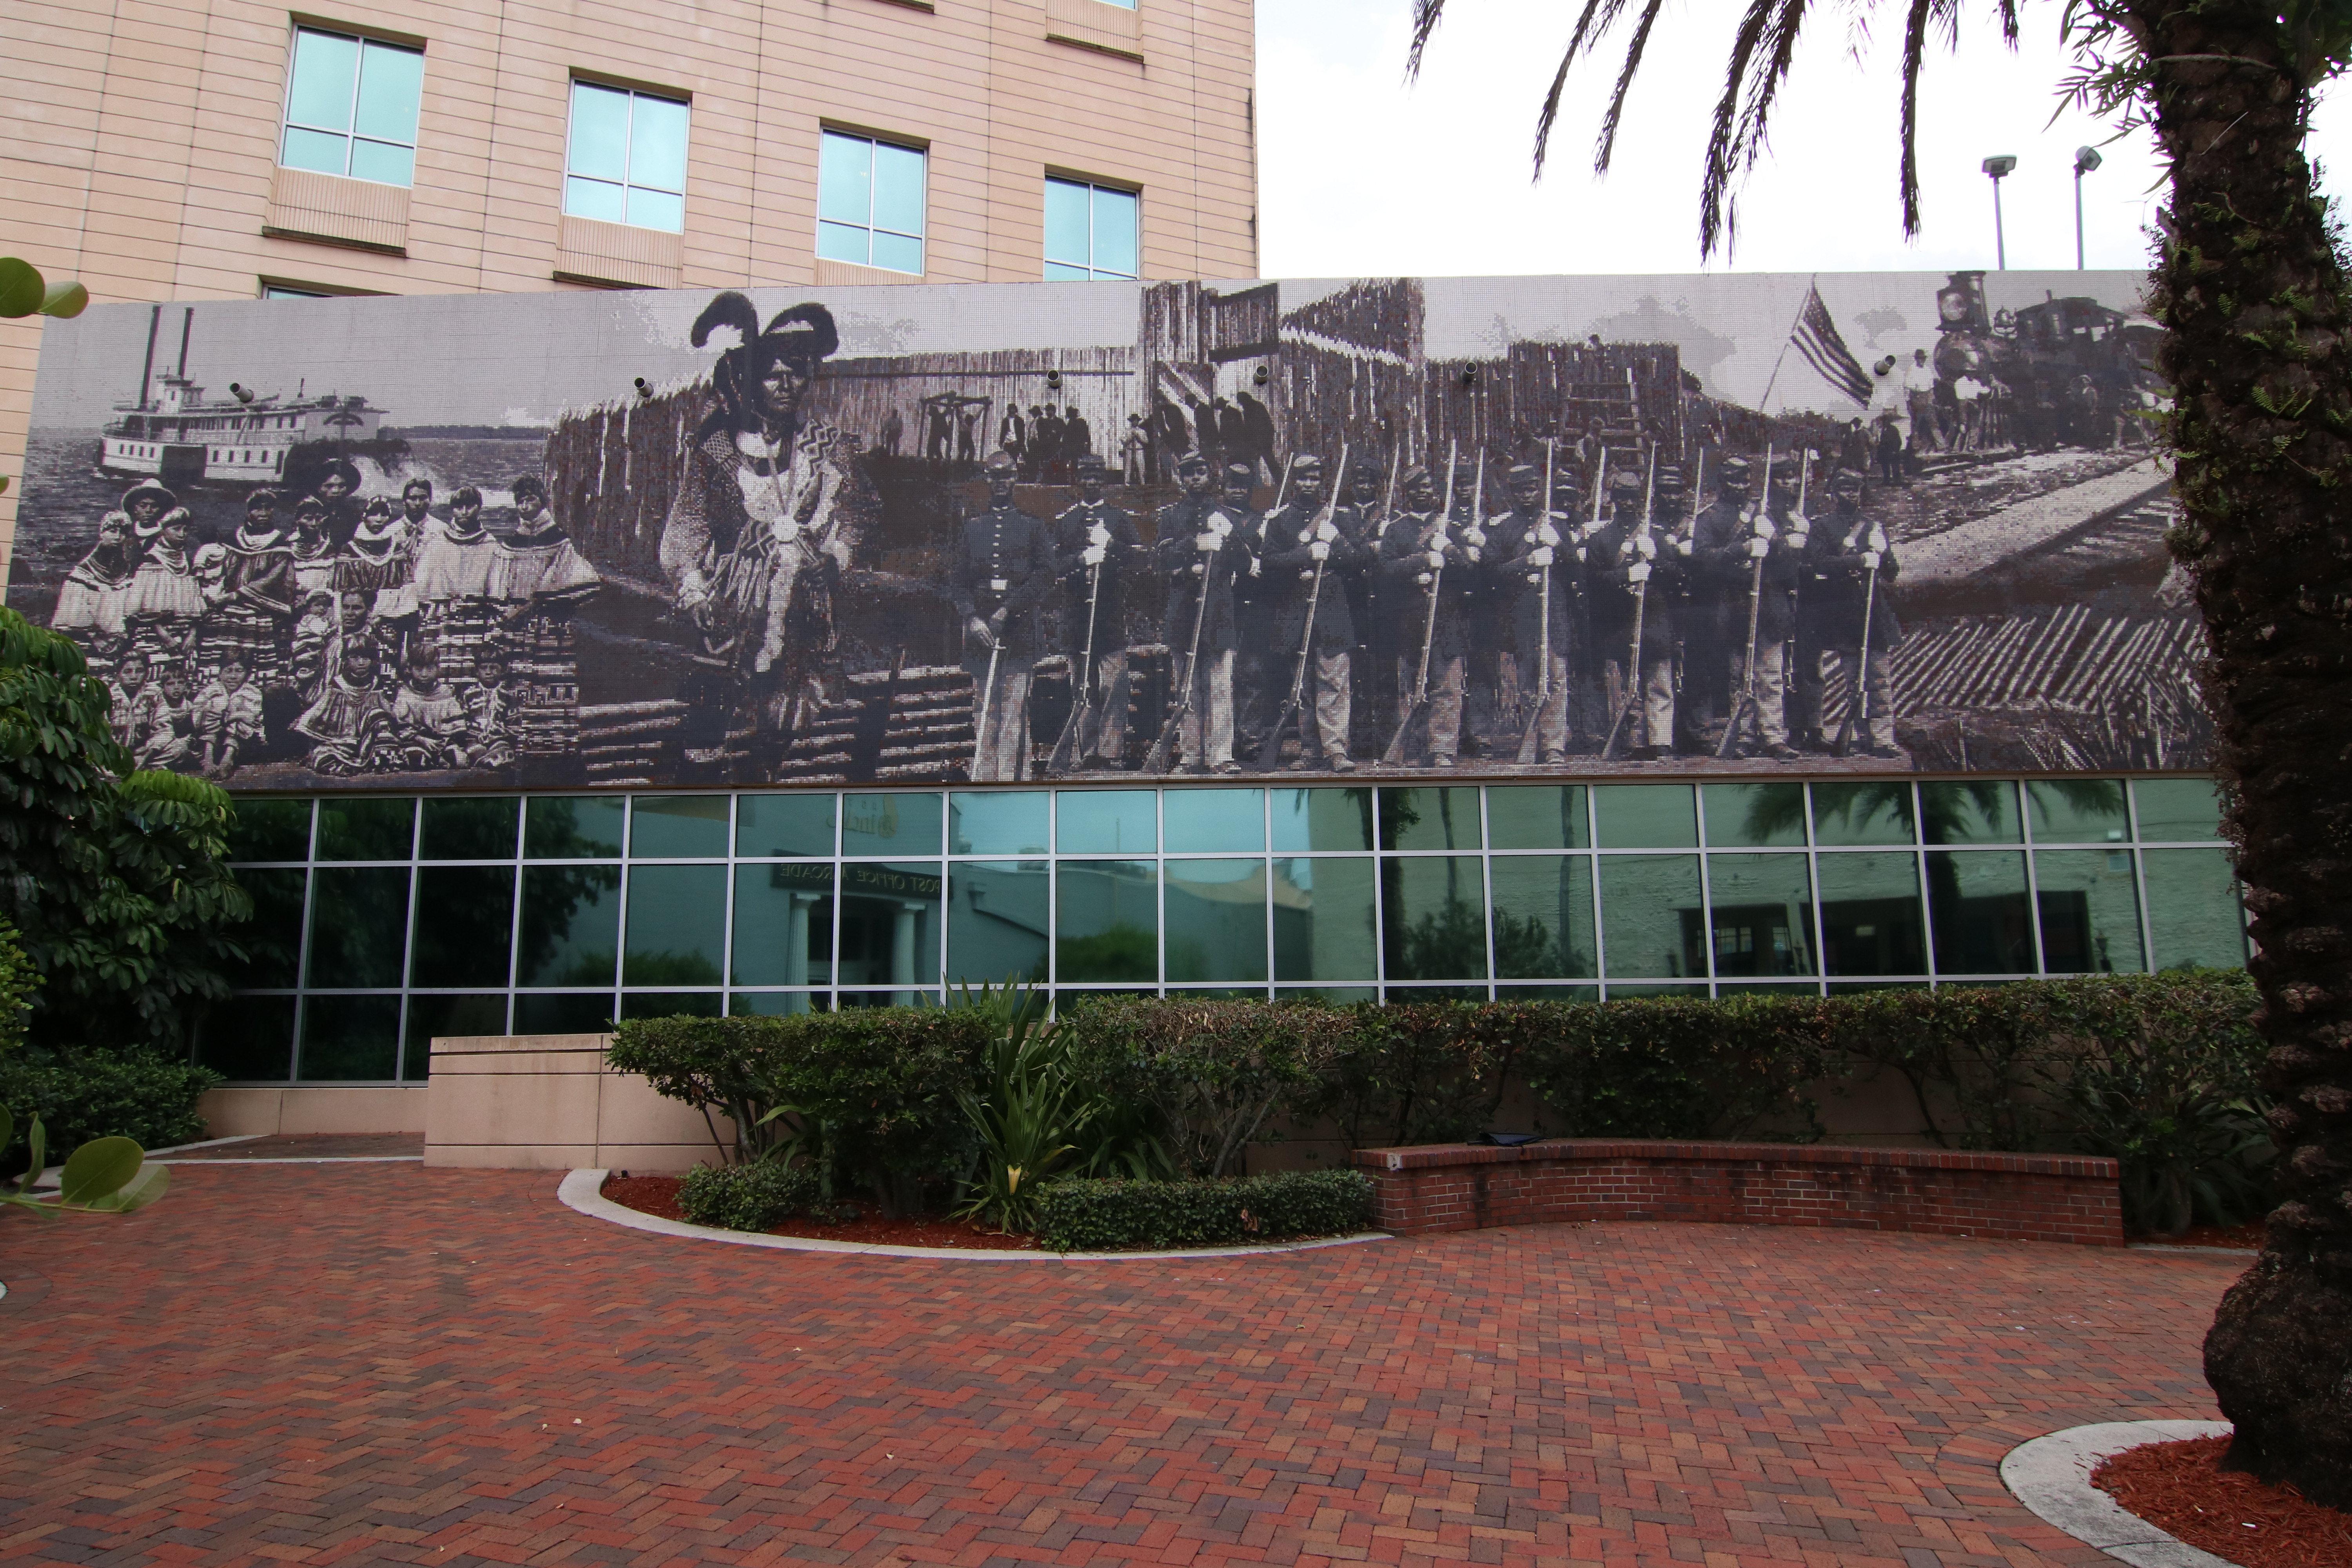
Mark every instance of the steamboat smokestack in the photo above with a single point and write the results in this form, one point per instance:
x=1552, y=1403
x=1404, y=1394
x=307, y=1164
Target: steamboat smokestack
x=187, y=325
x=147, y=371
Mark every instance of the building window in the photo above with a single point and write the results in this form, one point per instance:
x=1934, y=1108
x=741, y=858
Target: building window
x=280, y=291
x=869, y=203
x=1089, y=231
x=350, y=108
x=627, y=158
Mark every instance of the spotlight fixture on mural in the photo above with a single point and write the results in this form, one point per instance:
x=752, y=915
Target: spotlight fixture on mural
x=242, y=394
x=1261, y=375
x=1469, y=375
x=644, y=389
x=1054, y=379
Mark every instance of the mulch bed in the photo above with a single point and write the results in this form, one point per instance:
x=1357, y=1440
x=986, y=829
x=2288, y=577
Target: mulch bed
x=658, y=1195
x=2181, y=1488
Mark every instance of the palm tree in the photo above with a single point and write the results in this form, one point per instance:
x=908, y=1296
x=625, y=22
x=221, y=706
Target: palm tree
x=2251, y=286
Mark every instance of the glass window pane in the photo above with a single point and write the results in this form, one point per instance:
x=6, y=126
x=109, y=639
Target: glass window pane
x=890, y=924
x=783, y=924
x=482, y=828
x=1066, y=224
x=383, y=162
x=678, y=926
x=249, y=1040
x=1645, y=816
x=466, y=928
x=2176, y=809
x=657, y=144
x=363, y=828
x=1012, y=822
x=897, y=252
x=1106, y=821
x=1536, y=817
x=2078, y=811
x=656, y=209
x=1983, y=918
x=1442, y=818
x=997, y=923
x=845, y=179
x=1433, y=916
x=1652, y=924
x=571, y=924
x=1323, y=919
x=679, y=827
x=316, y=149
x=274, y=936
x=1762, y=914
x=432, y=1019
x=779, y=826
x=1870, y=914
x=897, y=189
x=2194, y=914
x=391, y=80
x=1754, y=816
x=599, y=132
x=1107, y=924
x=1216, y=921
x=562, y=1013
x=1213, y=821
x=1306, y=819
x=346, y=1039
x=1543, y=916
x=1976, y=811
x=839, y=242
x=269, y=829
x=358, y=927
x=672, y=1004
x=1878, y=812
x=325, y=67
x=1062, y=272
x=1114, y=232
x=2090, y=911
x=595, y=199
x=575, y=827
x=890, y=824
x=777, y=1003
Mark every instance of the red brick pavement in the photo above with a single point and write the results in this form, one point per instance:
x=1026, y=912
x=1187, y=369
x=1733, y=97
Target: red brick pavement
x=383, y=1364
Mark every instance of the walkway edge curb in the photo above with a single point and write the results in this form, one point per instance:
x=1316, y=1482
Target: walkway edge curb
x=2051, y=1476
x=583, y=1191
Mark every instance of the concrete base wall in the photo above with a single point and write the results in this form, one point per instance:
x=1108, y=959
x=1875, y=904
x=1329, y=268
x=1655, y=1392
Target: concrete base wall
x=547, y=1103
x=313, y=1108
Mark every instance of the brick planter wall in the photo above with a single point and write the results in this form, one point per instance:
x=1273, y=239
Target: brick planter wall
x=1939, y=1192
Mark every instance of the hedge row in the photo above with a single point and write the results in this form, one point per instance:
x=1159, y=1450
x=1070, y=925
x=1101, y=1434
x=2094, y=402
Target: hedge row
x=1111, y=1216
x=747, y=1197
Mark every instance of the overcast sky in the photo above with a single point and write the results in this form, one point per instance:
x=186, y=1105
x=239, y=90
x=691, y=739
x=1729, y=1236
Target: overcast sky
x=1363, y=174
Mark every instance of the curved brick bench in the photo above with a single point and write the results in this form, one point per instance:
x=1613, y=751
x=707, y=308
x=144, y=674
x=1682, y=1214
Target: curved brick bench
x=1939, y=1192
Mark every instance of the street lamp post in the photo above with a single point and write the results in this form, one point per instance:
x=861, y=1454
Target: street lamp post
x=2085, y=159
x=1999, y=166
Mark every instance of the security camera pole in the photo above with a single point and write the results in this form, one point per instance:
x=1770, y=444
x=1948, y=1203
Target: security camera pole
x=1999, y=166
x=2085, y=159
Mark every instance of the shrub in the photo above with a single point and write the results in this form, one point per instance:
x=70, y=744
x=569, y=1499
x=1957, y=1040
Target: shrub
x=82, y=1096
x=1083, y=1216
x=747, y=1197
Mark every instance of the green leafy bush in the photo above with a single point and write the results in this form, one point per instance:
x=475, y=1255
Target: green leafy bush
x=81, y=1096
x=1082, y=1215
x=747, y=1197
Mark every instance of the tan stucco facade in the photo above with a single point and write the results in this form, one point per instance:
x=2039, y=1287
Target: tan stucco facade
x=139, y=143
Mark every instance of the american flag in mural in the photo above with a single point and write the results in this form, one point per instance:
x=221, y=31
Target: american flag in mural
x=1816, y=338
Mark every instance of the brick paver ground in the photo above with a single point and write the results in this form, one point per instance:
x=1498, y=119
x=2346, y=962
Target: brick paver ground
x=384, y=1363
x=309, y=1146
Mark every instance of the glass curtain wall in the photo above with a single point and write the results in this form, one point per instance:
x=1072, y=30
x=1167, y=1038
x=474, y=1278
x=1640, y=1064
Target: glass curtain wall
x=384, y=922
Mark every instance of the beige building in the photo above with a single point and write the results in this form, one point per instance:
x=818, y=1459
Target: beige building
x=221, y=149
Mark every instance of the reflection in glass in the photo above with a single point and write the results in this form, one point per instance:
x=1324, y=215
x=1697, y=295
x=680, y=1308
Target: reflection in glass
x=1983, y=917
x=432, y=1019
x=1106, y=922
x=1329, y=995
x=1213, y=821
x=1434, y=818
x=269, y=829
x=1653, y=923
x=678, y=926
x=1322, y=819
x=571, y=926
x=672, y=1004
x=347, y=1039
x=1761, y=915
x=249, y=1040
x=1645, y=816
x=2194, y=916
x=1106, y=821
x=1753, y=815
x=2078, y=811
x=1432, y=918
x=770, y=825
x=777, y=1003
x=783, y=924
x=1876, y=811
x=469, y=828
x=1216, y=920
x=358, y=927
x=273, y=938
x=2090, y=911
x=993, y=822
x=1536, y=816
x=367, y=828
x=464, y=926
x=1547, y=993
x=890, y=925
x=890, y=824
x=562, y=1013
x=1323, y=919
x=679, y=827
x=1971, y=811
x=1543, y=916
x=573, y=827
x=1870, y=913
x=2176, y=809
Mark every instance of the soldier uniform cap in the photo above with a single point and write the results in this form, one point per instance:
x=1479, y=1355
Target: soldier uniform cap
x=1522, y=471
x=1846, y=479
x=1736, y=471
x=1626, y=480
x=1365, y=468
x=1091, y=462
x=1304, y=464
x=1420, y=476
x=999, y=463
x=1241, y=473
x=1191, y=460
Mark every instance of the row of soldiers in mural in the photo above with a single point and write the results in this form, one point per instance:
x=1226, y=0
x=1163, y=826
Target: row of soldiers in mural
x=1047, y=443
x=1626, y=622
x=360, y=637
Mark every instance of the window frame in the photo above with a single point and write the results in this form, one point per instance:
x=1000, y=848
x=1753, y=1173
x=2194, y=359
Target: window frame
x=923, y=239
x=349, y=132
x=626, y=182
x=1093, y=273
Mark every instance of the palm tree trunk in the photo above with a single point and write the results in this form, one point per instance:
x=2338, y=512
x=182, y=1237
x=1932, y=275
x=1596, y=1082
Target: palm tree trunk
x=2259, y=357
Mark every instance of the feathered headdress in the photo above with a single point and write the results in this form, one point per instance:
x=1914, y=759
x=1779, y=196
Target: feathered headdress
x=802, y=333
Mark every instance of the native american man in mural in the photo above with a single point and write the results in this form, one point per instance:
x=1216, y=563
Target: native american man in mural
x=761, y=531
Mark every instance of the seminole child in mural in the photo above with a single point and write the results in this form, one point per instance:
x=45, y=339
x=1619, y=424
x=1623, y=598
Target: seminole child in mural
x=763, y=527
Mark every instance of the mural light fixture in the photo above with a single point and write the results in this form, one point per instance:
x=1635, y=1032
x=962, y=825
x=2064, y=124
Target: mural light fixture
x=2085, y=159
x=2000, y=166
